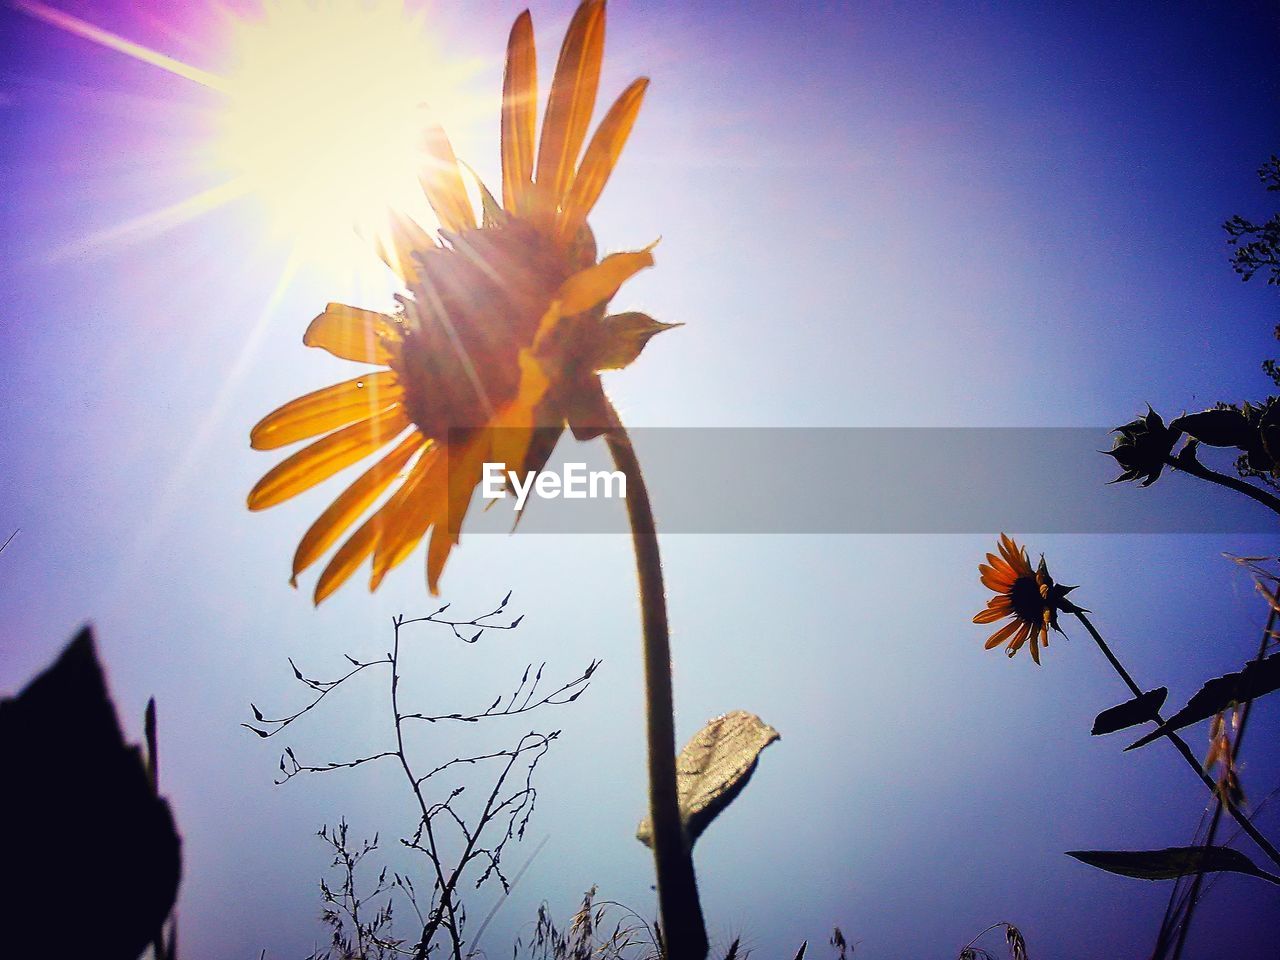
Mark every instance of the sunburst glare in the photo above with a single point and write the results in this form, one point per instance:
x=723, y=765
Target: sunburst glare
x=325, y=111
x=321, y=115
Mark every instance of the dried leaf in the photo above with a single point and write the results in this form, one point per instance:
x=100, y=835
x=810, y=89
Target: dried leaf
x=1171, y=863
x=713, y=768
x=1130, y=713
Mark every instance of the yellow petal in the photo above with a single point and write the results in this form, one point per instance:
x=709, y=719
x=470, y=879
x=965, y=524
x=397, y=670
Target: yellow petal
x=411, y=512
x=569, y=106
x=438, y=551
x=442, y=183
x=353, y=334
x=601, y=156
x=324, y=458
x=349, y=556
x=519, y=115
x=352, y=502
x=990, y=616
x=598, y=283
x=327, y=409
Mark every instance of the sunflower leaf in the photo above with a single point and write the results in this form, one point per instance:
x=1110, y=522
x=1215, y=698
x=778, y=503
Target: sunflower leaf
x=1171, y=862
x=713, y=769
x=1217, y=428
x=623, y=336
x=1130, y=713
x=1257, y=679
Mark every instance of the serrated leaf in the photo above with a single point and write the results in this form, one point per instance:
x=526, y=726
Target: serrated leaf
x=1171, y=862
x=713, y=768
x=1257, y=679
x=622, y=336
x=1130, y=713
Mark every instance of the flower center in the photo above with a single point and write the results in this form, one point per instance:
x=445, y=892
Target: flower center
x=476, y=303
x=1028, y=605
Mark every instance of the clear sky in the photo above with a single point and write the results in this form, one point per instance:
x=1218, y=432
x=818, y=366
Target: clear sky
x=872, y=214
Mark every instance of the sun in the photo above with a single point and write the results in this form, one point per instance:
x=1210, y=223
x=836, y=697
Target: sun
x=320, y=116
x=324, y=113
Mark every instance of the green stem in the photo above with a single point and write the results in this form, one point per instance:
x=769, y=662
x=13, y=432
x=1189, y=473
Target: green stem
x=1263, y=843
x=1195, y=468
x=684, y=930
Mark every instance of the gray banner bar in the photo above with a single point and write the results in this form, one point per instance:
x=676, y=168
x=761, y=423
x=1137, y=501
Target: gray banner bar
x=879, y=480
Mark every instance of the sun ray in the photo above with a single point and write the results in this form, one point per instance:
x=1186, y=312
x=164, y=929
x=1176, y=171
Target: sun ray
x=157, y=221
x=137, y=558
x=106, y=38
x=319, y=115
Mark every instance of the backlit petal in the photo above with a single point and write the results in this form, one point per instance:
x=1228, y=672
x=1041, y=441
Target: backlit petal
x=569, y=106
x=601, y=156
x=442, y=183
x=353, y=334
x=519, y=115
x=324, y=458
x=411, y=512
x=326, y=409
x=352, y=502
x=598, y=283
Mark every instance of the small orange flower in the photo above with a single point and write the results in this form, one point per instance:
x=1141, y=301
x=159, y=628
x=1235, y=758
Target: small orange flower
x=1028, y=596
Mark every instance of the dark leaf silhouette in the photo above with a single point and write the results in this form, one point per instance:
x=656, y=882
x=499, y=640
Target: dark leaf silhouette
x=1171, y=863
x=1130, y=713
x=1257, y=679
x=79, y=802
x=713, y=768
x=1218, y=428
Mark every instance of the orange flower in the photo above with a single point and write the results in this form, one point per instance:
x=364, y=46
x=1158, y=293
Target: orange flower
x=498, y=343
x=1028, y=596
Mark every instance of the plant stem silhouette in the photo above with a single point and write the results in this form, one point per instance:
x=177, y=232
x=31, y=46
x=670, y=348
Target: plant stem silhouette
x=458, y=840
x=1193, y=467
x=1181, y=745
x=683, y=926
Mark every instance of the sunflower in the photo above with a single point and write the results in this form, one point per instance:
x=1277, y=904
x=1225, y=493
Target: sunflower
x=497, y=342
x=1028, y=596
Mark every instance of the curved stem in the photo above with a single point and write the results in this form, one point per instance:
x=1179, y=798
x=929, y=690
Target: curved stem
x=684, y=930
x=1195, y=468
x=1263, y=843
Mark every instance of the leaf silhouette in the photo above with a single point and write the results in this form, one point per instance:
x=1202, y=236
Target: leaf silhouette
x=81, y=803
x=1130, y=713
x=1217, y=428
x=1257, y=679
x=713, y=768
x=1171, y=862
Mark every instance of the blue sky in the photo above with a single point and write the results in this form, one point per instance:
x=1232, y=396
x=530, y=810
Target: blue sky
x=871, y=215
